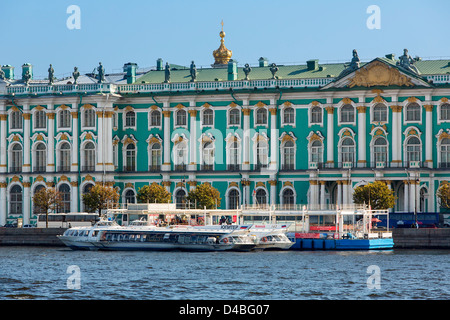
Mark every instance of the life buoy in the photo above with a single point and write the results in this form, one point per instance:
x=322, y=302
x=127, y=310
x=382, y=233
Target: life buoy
x=225, y=240
x=264, y=239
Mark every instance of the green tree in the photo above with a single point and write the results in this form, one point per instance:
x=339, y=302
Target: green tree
x=153, y=193
x=204, y=195
x=100, y=197
x=47, y=199
x=377, y=194
x=443, y=195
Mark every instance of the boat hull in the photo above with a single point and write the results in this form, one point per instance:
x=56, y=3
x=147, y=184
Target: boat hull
x=343, y=244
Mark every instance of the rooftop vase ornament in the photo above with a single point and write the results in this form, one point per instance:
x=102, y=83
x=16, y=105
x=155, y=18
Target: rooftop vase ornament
x=51, y=77
x=247, y=71
x=193, y=72
x=167, y=73
x=75, y=75
x=27, y=77
x=274, y=70
x=101, y=73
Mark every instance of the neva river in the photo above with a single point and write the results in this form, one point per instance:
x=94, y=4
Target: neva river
x=59, y=273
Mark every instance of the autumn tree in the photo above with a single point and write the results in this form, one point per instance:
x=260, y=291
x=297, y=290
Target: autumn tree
x=47, y=199
x=99, y=198
x=443, y=195
x=204, y=195
x=377, y=194
x=153, y=193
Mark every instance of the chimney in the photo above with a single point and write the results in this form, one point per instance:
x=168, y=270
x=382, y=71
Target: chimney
x=130, y=69
x=232, y=70
x=263, y=62
x=159, y=64
x=9, y=72
x=312, y=64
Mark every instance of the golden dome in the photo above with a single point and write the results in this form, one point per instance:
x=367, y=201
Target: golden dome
x=222, y=55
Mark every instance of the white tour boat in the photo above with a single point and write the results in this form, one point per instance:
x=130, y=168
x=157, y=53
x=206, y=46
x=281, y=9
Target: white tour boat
x=271, y=236
x=107, y=235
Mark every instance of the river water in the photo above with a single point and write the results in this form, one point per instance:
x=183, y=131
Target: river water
x=35, y=273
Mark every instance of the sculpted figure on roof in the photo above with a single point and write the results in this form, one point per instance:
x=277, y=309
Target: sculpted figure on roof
x=75, y=75
x=407, y=62
x=101, y=73
x=193, y=71
x=354, y=64
x=167, y=73
x=51, y=76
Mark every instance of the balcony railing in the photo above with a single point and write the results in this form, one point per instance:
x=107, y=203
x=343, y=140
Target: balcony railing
x=206, y=167
x=154, y=168
x=88, y=168
x=39, y=169
x=179, y=167
x=63, y=168
x=233, y=167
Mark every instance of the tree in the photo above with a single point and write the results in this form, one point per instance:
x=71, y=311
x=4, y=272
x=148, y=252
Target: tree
x=153, y=193
x=47, y=199
x=377, y=194
x=204, y=195
x=99, y=198
x=443, y=195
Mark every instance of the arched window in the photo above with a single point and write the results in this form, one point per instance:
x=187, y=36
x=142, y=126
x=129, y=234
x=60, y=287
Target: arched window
x=234, y=159
x=444, y=156
x=233, y=199
x=316, y=151
x=262, y=155
x=288, y=115
x=288, y=198
x=413, y=112
x=180, y=198
x=64, y=190
x=40, y=120
x=347, y=114
x=40, y=156
x=208, y=117
x=130, y=119
x=181, y=118
x=380, y=113
x=89, y=157
x=155, y=118
x=64, y=157
x=380, y=150
x=37, y=210
x=208, y=156
x=445, y=112
x=261, y=116
x=316, y=115
x=64, y=119
x=86, y=189
x=155, y=157
x=288, y=156
x=130, y=157
x=15, y=164
x=234, y=118
x=348, y=151
x=261, y=197
x=181, y=156
x=15, y=120
x=89, y=118
x=413, y=150
x=130, y=196
x=15, y=200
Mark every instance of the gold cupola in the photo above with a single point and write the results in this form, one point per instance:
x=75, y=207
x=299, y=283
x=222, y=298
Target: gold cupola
x=222, y=55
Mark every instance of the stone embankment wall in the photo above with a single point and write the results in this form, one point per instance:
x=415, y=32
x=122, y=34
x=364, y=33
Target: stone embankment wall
x=30, y=236
x=410, y=238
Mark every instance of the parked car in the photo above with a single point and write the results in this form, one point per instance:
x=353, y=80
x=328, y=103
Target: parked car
x=10, y=225
x=28, y=226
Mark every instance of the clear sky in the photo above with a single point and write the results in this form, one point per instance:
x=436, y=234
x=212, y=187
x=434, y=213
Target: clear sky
x=284, y=31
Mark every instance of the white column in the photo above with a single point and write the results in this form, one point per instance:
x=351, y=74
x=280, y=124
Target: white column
x=406, y=196
x=273, y=138
x=399, y=135
x=109, y=163
x=330, y=135
x=75, y=137
x=26, y=202
x=344, y=192
x=100, y=139
x=166, y=139
x=26, y=140
x=3, y=210
x=74, y=196
x=322, y=195
x=273, y=191
x=193, y=132
x=395, y=138
x=362, y=161
x=3, y=144
x=412, y=196
x=429, y=135
x=246, y=142
x=51, y=140
x=339, y=193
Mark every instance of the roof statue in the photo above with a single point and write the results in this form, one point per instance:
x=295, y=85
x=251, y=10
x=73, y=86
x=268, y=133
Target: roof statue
x=353, y=65
x=51, y=75
x=222, y=55
x=2, y=74
x=167, y=73
x=101, y=73
x=75, y=75
x=27, y=77
x=273, y=69
x=407, y=62
x=193, y=71
x=247, y=71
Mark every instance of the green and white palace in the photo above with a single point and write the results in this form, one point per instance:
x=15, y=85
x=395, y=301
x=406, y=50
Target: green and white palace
x=260, y=133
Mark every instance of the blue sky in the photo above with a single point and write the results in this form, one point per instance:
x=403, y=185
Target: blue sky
x=284, y=31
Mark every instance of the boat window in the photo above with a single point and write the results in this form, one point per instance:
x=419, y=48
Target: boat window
x=94, y=233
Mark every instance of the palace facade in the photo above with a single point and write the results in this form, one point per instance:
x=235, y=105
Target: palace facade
x=288, y=135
